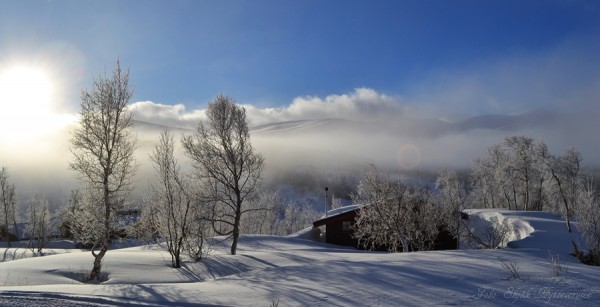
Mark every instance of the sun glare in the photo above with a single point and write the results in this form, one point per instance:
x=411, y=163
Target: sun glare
x=27, y=98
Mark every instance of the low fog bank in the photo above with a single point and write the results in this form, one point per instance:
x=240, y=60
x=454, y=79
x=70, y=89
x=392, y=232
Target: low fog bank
x=304, y=156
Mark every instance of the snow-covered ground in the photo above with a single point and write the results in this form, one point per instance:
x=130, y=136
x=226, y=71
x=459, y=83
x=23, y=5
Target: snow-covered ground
x=298, y=272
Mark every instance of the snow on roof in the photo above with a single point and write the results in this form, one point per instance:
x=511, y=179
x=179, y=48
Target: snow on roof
x=338, y=211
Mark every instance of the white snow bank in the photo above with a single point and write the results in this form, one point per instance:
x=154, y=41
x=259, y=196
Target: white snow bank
x=527, y=229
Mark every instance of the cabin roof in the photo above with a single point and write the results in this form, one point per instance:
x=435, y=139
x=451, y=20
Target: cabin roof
x=341, y=213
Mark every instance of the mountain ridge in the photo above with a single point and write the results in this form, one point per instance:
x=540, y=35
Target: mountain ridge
x=422, y=127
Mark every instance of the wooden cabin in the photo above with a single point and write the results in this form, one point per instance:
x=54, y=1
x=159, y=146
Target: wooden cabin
x=339, y=226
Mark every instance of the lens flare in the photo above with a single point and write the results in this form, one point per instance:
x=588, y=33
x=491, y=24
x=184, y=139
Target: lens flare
x=409, y=156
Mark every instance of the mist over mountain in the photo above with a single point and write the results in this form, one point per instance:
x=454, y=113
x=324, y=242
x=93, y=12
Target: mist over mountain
x=304, y=155
x=413, y=127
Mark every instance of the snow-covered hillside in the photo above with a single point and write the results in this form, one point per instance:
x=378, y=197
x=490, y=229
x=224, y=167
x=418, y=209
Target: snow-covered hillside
x=299, y=272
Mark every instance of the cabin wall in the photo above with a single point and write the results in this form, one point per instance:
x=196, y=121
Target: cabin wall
x=336, y=233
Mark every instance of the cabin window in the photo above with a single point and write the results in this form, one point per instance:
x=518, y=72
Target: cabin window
x=347, y=225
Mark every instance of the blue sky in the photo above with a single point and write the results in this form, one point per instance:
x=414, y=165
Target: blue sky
x=266, y=53
x=398, y=63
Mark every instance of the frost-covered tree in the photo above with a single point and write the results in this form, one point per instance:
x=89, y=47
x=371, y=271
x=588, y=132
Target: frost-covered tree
x=336, y=202
x=393, y=215
x=511, y=176
x=565, y=184
x=225, y=159
x=8, y=201
x=103, y=157
x=525, y=170
x=489, y=180
x=452, y=197
x=263, y=214
x=588, y=220
x=176, y=210
x=67, y=212
x=38, y=223
x=297, y=216
x=145, y=227
x=424, y=220
x=87, y=219
x=383, y=202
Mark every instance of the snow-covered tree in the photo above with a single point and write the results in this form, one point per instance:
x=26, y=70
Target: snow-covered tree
x=174, y=205
x=489, y=180
x=565, y=184
x=587, y=214
x=525, y=170
x=297, y=216
x=336, y=202
x=511, y=176
x=8, y=201
x=38, y=223
x=452, y=198
x=65, y=214
x=383, y=202
x=263, y=214
x=103, y=157
x=424, y=220
x=225, y=159
x=393, y=215
x=88, y=223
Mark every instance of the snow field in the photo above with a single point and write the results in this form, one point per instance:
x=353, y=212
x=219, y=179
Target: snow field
x=300, y=272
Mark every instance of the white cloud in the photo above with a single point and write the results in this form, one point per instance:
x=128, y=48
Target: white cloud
x=169, y=115
x=362, y=104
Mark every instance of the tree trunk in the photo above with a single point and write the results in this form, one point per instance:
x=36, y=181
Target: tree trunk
x=236, y=224
x=564, y=198
x=236, y=232
x=96, y=270
x=95, y=274
x=404, y=242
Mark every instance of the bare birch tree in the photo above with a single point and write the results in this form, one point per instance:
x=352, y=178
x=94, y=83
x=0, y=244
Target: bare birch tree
x=224, y=158
x=103, y=148
x=38, y=224
x=267, y=211
x=565, y=184
x=452, y=196
x=511, y=176
x=8, y=200
x=175, y=208
x=588, y=221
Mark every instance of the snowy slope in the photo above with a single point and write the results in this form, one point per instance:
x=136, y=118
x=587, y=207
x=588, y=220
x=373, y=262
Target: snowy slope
x=300, y=272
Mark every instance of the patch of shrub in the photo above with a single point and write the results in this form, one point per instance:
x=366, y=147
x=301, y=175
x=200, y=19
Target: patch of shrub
x=590, y=257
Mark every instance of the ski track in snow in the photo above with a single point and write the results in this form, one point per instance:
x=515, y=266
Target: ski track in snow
x=298, y=272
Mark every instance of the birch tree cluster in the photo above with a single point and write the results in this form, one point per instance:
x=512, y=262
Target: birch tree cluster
x=38, y=224
x=520, y=173
x=176, y=210
x=270, y=214
x=224, y=160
